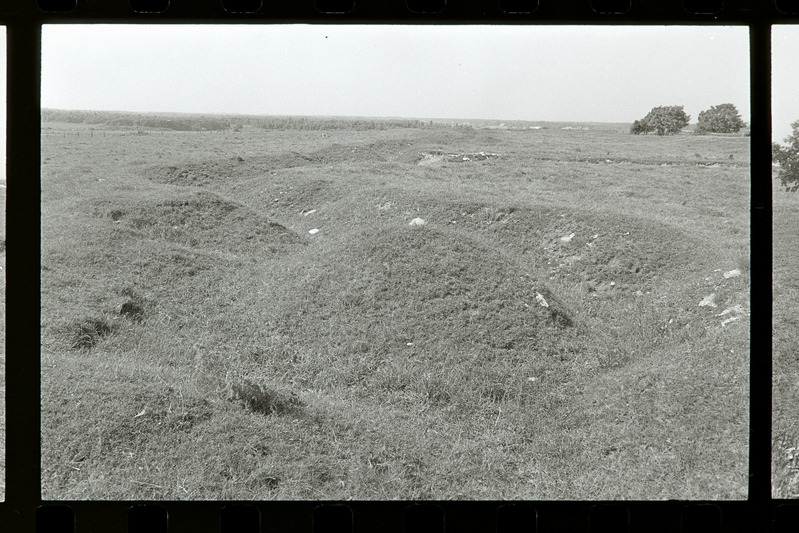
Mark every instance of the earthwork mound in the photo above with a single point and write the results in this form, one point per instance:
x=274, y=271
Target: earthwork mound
x=197, y=219
x=387, y=287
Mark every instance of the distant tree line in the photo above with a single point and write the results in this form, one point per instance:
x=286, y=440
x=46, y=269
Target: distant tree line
x=669, y=120
x=179, y=122
x=135, y=120
x=331, y=123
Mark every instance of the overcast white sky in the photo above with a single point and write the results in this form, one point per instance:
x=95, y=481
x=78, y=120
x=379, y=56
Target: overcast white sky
x=577, y=73
x=784, y=80
x=3, y=102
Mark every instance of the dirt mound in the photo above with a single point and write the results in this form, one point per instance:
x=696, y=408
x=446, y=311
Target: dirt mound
x=200, y=220
x=391, y=288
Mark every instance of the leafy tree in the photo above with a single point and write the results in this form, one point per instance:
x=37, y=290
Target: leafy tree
x=640, y=127
x=788, y=160
x=663, y=120
x=723, y=118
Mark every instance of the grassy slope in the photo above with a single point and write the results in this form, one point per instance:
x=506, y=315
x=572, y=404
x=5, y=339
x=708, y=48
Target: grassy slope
x=785, y=426
x=421, y=364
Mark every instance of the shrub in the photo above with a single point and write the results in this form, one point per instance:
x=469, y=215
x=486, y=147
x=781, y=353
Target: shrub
x=723, y=118
x=787, y=157
x=663, y=120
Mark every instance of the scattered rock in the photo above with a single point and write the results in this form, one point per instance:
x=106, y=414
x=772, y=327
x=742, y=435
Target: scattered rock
x=313, y=231
x=708, y=301
x=734, y=309
x=567, y=238
x=541, y=300
x=417, y=222
x=732, y=273
x=731, y=319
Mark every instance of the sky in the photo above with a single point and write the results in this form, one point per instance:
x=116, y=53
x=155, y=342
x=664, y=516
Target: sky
x=784, y=80
x=3, y=103
x=545, y=73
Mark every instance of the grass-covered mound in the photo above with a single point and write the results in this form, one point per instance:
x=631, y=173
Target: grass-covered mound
x=196, y=219
x=356, y=310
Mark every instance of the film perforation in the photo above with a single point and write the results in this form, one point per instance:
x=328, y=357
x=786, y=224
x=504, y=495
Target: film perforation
x=426, y=7
x=242, y=6
x=518, y=7
x=149, y=6
x=334, y=7
x=703, y=7
x=611, y=7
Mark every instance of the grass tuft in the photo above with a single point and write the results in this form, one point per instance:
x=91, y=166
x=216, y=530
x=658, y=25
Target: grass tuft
x=134, y=307
x=260, y=399
x=88, y=332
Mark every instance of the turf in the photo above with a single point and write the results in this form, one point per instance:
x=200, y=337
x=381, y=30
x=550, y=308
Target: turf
x=539, y=337
x=785, y=385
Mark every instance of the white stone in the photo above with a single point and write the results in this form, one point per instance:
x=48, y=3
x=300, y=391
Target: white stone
x=417, y=222
x=734, y=309
x=731, y=319
x=708, y=301
x=732, y=273
x=541, y=300
x=313, y=231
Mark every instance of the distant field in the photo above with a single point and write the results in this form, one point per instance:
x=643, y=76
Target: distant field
x=538, y=337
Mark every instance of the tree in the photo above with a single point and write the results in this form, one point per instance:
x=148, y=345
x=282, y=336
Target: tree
x=788, y=160
x=723, y=118
x=663, y=120
x=640, y=127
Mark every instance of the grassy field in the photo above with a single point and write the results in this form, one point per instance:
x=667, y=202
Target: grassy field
x=539, y=337
x=785, y=423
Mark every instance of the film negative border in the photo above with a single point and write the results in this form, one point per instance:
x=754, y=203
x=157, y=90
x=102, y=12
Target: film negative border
x=24, y=510
x=422, y=517
x=395, y=11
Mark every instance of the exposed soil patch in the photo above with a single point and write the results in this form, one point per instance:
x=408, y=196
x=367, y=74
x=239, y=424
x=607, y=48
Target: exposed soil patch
x=439, y=156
